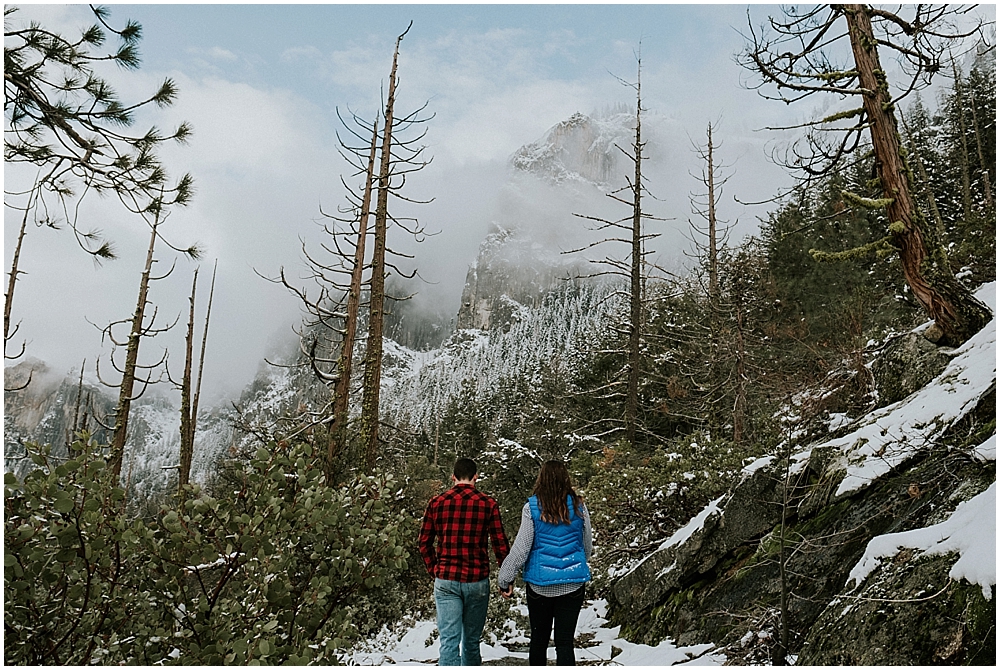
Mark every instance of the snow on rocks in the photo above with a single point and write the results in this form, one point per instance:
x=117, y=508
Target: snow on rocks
x=759, y=463
x=970, y=531
x=987, y=451
x=890, y=435
x=681, y=535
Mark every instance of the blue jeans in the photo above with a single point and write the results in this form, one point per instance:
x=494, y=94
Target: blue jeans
x=461, y=616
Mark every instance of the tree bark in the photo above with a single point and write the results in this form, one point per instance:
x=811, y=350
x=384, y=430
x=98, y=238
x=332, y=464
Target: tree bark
x=12, y=281
x=635, y=317
x=713, y=248
x=201, y=356
x=187, y=435
x=342, y=389
x=925, y=266
x=131, y=359
x=373, y=351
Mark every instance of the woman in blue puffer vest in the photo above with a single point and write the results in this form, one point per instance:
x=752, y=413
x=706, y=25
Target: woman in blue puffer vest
x=553, y=546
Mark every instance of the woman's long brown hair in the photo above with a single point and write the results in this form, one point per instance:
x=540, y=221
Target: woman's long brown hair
x=552, y=487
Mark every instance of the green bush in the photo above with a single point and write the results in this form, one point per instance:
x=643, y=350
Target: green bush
x=69, y=562
x=266, y=574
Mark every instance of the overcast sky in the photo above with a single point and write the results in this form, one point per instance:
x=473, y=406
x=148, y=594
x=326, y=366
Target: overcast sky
x=260, y=83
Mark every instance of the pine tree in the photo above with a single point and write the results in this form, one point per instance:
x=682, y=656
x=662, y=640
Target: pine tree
x=792, y=60
x=67, y=123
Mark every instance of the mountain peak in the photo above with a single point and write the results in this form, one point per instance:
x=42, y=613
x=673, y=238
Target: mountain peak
x=581, y=148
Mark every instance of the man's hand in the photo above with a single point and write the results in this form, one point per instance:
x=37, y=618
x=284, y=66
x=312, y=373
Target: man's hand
x=508, y=592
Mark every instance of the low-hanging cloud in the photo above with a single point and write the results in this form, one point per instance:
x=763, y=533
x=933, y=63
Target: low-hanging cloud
x=264, y=158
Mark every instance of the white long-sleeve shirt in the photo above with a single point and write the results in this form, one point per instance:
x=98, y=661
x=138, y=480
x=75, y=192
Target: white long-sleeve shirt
x=519, y=551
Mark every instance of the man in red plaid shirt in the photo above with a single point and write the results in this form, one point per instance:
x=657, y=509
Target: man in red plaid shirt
x=462, y=520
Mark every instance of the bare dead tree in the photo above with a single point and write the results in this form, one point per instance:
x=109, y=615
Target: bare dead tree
x=398, y=158
x=132, y=371
x=329, y=334
x=187, y=447
x=628, y=231
x=341, y=392
x=191, y=391
x=201, y=359
x=712, y=233
x=795, y=58
x=329, y=330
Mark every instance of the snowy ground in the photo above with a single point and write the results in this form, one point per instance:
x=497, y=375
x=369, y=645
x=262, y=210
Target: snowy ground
x=417, y=644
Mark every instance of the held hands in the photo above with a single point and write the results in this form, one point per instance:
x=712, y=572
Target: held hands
x=508, y=592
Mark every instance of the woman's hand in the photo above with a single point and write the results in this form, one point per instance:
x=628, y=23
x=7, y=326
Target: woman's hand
x=508, y=592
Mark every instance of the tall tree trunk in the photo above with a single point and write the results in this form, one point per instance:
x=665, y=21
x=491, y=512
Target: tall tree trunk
x=342, y=389
x=373, y=351
x=131, y=360
x=635, y=317
x=985, y=169
x=713, y=244
x=191, y=393
x=963, y=131
x=187, y=435
x=201, y=356
x=11, y=282
x=925, y=265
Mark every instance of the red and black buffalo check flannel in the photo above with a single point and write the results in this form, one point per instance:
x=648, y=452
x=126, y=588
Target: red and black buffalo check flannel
x=462, y=519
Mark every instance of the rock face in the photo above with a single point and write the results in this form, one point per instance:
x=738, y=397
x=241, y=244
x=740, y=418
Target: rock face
x=749, y=512
x=521, y=259
x=512, y=271
x=922, y=631
x=579, y=148
x=906, y=364
x=718, y=580
x=45, y=412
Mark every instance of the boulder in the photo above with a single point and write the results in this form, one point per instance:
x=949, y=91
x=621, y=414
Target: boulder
x=908, y=613
x=905, y=365
x=750, y=511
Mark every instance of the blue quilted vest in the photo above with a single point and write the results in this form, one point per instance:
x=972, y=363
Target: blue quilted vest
x=557, y=554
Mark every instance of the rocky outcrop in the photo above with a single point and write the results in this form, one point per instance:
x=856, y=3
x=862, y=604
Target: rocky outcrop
x=512, y=272
x=579, y=148
x=903, y=467
x=45, y=410
x=906, y=364
x=745, y=515
x=906, y=615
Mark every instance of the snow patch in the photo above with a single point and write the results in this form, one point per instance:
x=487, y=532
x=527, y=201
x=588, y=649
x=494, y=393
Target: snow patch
x=987, y=451
x=757, y=465
x=890, y=435
x=418, y=644
x=681, y=535
x=971, y=531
